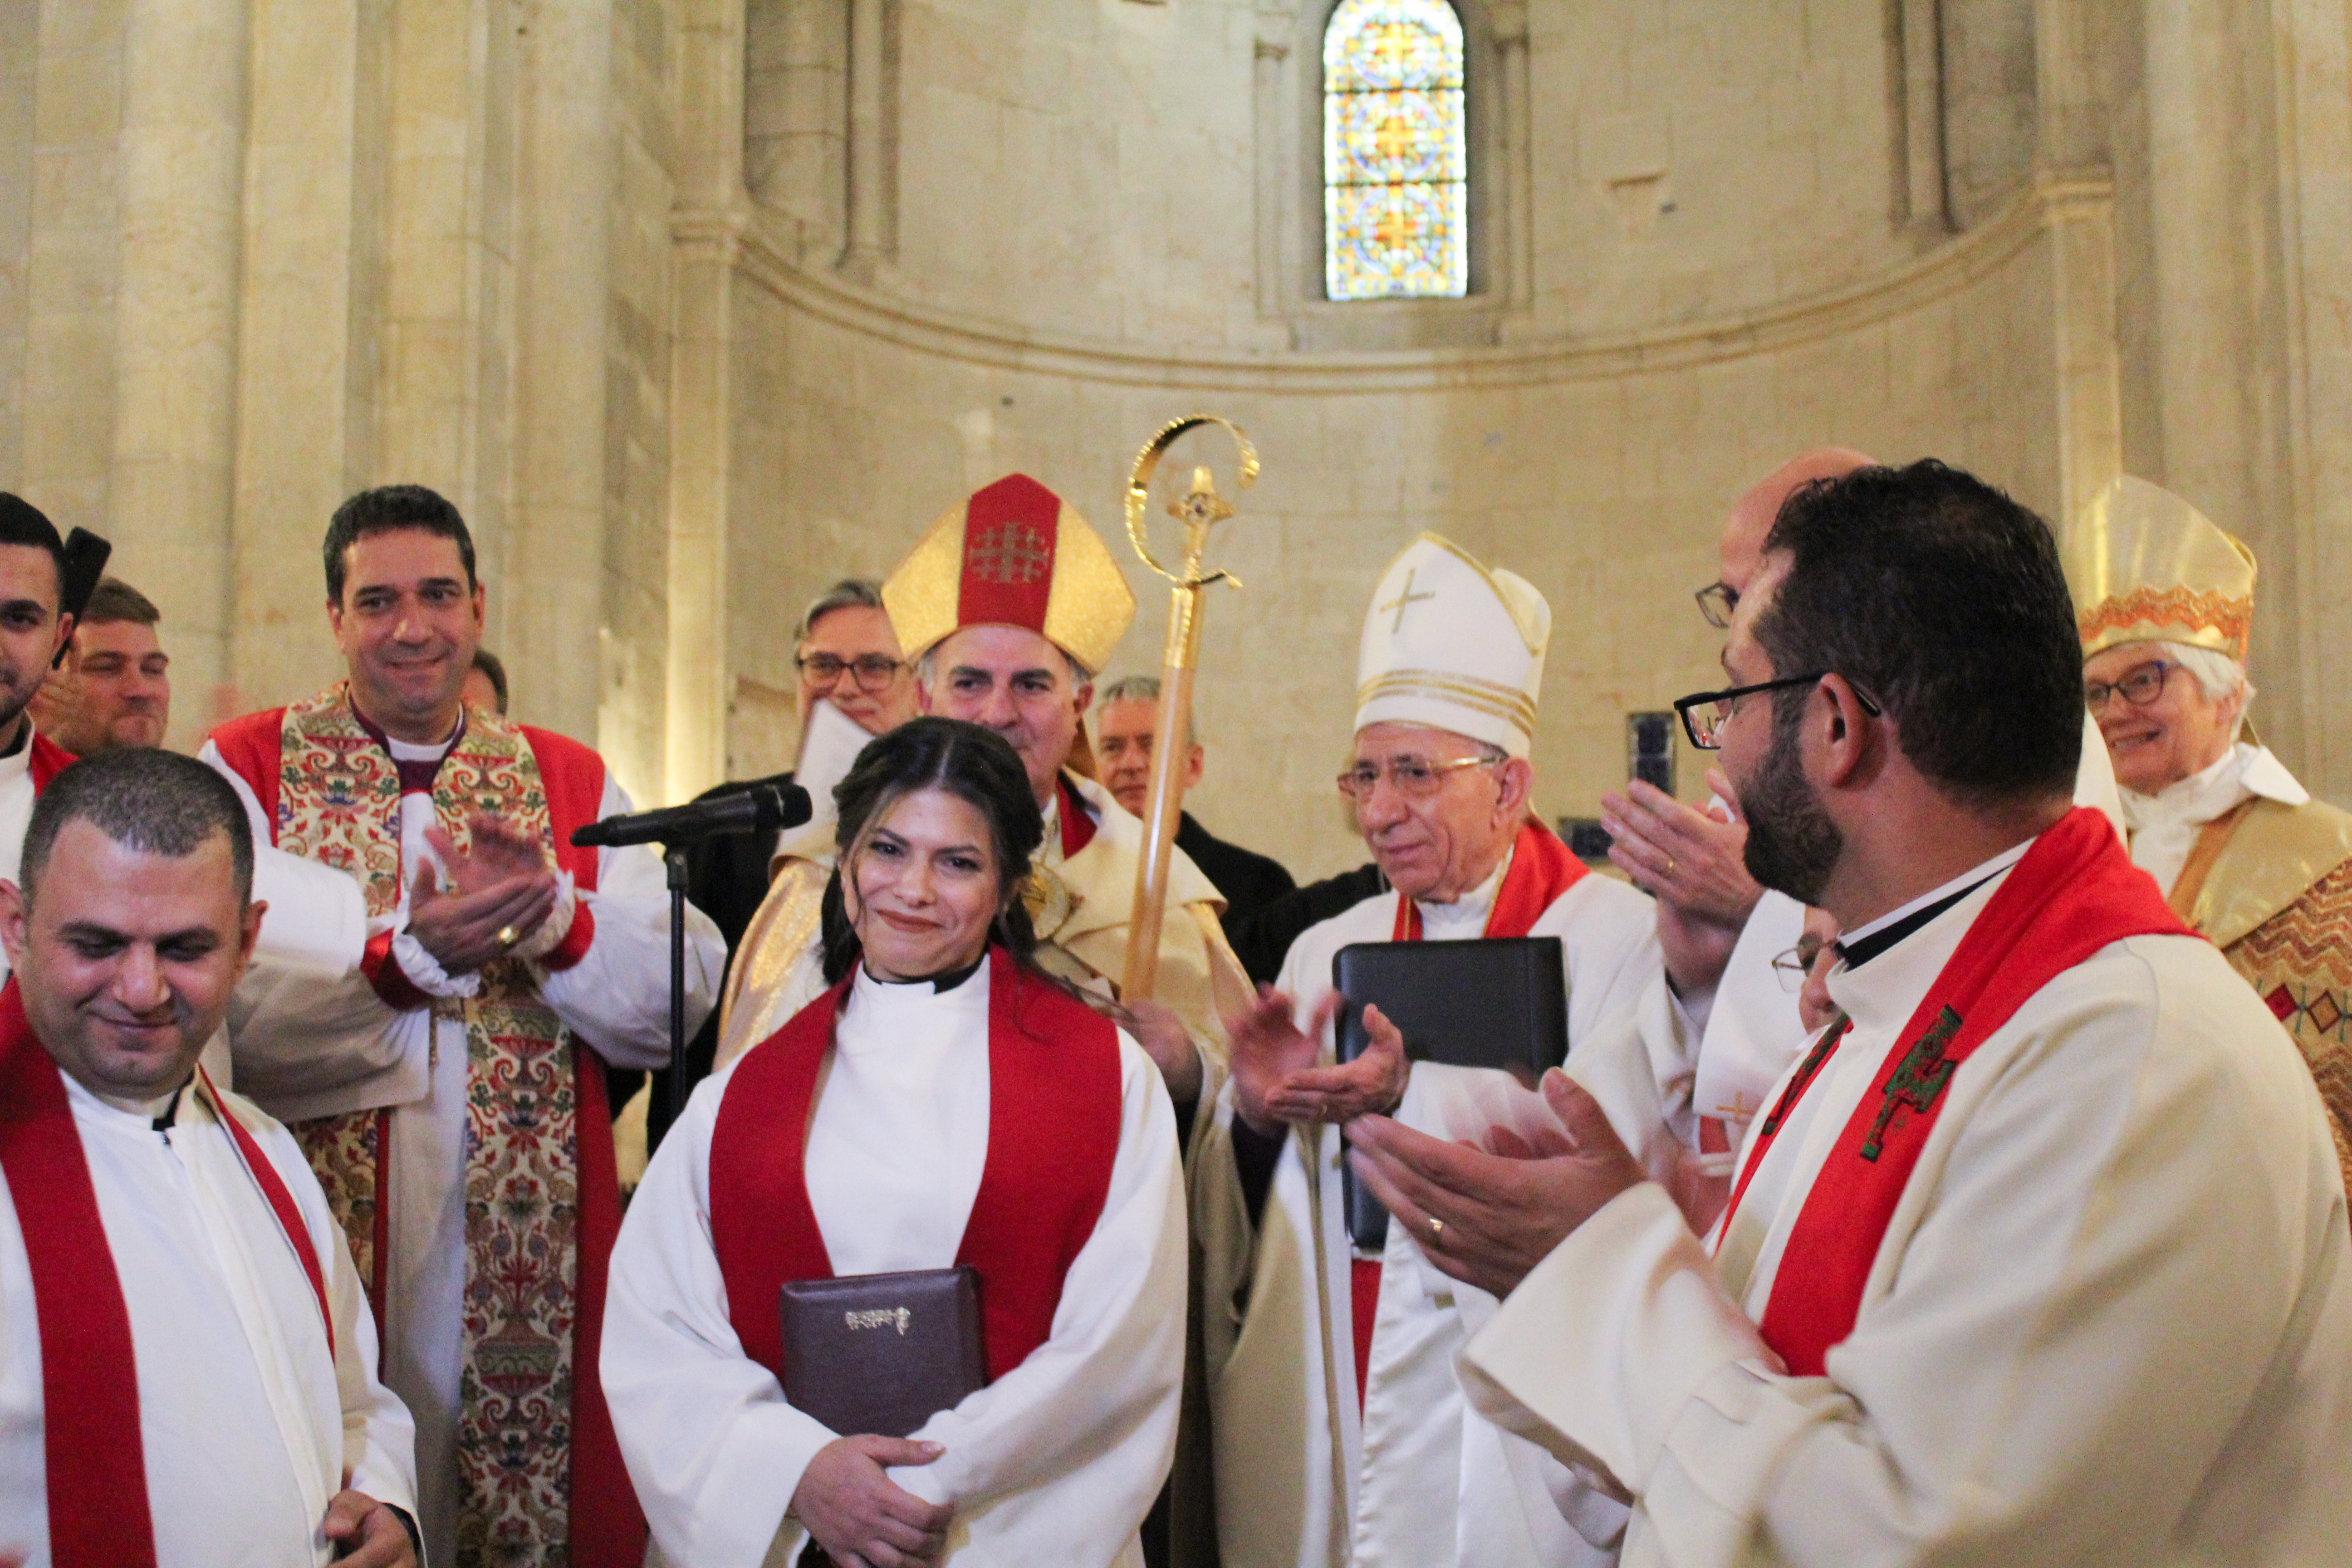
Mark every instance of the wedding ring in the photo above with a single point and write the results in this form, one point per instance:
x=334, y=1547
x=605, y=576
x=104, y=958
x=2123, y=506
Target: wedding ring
x=1436, y=1230
x=1670, y=867
x=508, y=936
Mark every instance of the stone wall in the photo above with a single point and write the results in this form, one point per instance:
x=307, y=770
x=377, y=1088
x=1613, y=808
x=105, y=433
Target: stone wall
x=694, y=305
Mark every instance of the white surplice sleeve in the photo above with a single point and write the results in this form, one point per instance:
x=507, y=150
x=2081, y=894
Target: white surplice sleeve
x=2120, y=1273
x=617, y=995
x=1063, y=1455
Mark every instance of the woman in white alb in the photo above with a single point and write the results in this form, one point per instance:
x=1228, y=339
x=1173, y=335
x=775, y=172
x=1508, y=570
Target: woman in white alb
x=943, y=1103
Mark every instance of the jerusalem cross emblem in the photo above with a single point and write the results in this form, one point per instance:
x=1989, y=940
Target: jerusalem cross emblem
x=1917, y=1082
x=1011, y=552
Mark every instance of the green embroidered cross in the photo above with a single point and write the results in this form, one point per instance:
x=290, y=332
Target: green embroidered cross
x=1918, y=1080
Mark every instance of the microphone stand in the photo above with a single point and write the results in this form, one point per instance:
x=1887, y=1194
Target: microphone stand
x=674, y=858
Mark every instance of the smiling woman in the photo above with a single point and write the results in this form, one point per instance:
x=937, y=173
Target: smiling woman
x=944, y=1104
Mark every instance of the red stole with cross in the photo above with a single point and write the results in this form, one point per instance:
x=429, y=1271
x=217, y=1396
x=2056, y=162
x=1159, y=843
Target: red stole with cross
x=2073, y=893
x=1053, y=1134
x=543, y=1194
x=93, y=1454
x=1543, y=868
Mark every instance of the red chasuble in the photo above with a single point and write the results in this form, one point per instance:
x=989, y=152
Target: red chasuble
x=93, y=1454
x=1543, y=868
x=1053, y=1134
x=2073, y=893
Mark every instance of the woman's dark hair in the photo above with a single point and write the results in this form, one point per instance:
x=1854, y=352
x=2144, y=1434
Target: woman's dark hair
x=976, y=765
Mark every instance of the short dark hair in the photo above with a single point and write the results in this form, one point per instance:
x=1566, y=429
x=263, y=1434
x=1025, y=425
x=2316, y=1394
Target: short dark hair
x=1943, y=600
x=386, y=509
x=143, y=798
x=491, y=666
x=974, y=764
x=114, y=600
x=22, y=522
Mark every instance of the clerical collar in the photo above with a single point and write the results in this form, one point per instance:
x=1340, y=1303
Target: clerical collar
x=418, y=765
x=1473, y=907
x=1874, y=937
x=941, y=983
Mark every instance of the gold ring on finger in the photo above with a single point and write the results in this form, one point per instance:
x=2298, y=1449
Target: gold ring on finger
x=1670, y=867
x=1436, y=1230
x=508, y=936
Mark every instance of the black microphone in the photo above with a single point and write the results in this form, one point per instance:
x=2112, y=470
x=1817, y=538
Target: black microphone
x=759, y=809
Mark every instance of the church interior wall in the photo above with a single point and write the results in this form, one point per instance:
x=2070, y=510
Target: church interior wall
x=694, y=305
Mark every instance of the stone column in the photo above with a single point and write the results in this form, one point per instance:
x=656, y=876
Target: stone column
x=870, y=218
x=2078, y=216
x=1516, y=233
x=553, y=595
x=705, y=247
x=170, y=484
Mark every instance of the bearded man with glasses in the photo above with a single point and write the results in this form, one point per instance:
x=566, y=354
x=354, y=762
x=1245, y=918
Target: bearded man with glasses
x=1330, y=1430
x=2243, y=853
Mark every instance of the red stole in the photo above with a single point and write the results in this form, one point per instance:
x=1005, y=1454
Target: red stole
x=1543, y=868
x=1077, y=826
x=92, y=1449
x=2073, y=893
x=1052, y=1134
x=48, y=761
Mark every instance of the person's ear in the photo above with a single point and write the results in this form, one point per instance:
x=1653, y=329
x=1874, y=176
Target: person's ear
x=15, y=925
x=1192, y=762
x=249, y=932
x=1516, y=780
x=1847, y=736
x=923, y=696
x=1084, y=697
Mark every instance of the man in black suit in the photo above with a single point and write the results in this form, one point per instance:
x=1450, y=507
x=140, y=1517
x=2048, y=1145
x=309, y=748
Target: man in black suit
x=1123, y=726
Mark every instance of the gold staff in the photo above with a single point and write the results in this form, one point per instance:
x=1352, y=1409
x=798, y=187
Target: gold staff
x=1200, y=510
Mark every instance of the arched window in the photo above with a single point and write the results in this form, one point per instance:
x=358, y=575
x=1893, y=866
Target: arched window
x=1395, y=164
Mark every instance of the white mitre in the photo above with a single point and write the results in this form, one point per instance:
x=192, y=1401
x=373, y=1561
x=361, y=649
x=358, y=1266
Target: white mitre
x=1450, y=644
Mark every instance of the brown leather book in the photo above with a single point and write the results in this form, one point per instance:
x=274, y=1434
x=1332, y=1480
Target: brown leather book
x=883, y=1354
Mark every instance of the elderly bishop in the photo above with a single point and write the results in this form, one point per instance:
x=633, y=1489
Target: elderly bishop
x=2164, y=602
x=1341, y=1434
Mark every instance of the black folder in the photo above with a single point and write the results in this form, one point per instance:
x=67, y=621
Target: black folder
x=883, y=1354
x=1499, y=1003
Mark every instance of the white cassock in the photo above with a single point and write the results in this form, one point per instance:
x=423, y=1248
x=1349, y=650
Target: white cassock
x=321, y=1046
x=2111, y=1320
x=1426, y=1483
x=1055, y=1462
x=246, y=1427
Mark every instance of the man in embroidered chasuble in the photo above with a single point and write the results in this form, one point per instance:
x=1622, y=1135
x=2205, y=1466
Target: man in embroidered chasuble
x=2166, y=607
x=450, y=1090
x=187, y=1363
x=2053, y=1180
x=1341, y=1433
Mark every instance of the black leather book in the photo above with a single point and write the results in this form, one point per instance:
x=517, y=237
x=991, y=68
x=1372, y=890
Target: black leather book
x=883, y=1354
x=1498, y=1003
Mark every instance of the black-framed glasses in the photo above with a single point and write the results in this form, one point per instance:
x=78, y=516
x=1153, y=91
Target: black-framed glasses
x=873, y=670
x=2139, y=686
x=1703, y=712
x=1715, y=602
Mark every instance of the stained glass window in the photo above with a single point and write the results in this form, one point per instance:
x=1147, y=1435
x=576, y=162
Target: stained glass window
x=1394, y=164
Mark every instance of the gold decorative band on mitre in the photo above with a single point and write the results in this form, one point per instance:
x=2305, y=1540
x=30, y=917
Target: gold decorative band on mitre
x=1505, y=702
x=2221, y=621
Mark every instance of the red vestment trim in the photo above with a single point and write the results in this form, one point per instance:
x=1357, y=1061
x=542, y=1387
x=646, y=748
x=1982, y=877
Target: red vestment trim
x=48, y=761
x=1054, y=1116
x=1009, y=532
x=1543, y=868
x=2075, y=893
x=281, y=1203
x=1077, y=823
x=91, y=1446
x=251, y=746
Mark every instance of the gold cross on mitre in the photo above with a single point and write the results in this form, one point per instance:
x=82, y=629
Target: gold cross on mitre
x=1404, y=601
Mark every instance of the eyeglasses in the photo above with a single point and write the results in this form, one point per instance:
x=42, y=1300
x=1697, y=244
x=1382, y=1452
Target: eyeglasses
x=1703, y=713
x=1408, y=776
x=2139, y=686
x=1792, y=967
x=1715, y=602
x=873, y=670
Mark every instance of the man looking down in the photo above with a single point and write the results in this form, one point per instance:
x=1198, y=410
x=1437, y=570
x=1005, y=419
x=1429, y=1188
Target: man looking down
x=2038, y=1256
x=186, y=1358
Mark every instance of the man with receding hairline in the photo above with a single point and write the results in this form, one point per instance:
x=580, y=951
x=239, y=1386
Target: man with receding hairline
x=187, y=1363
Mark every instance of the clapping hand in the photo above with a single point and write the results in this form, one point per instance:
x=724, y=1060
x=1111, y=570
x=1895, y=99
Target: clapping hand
x=1278, y=1075
x=501, y=889
x=1488, y=1219
x=1694, y=863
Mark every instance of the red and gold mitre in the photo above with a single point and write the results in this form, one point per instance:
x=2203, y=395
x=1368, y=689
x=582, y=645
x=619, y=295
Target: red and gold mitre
x=1013, y=553
x=2145, y=567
